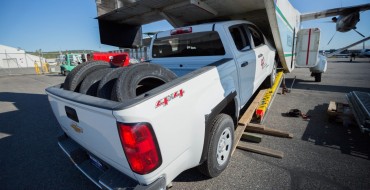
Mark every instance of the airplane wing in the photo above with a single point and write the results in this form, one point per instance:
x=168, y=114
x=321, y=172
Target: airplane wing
x=334, y=12
x=344, y=48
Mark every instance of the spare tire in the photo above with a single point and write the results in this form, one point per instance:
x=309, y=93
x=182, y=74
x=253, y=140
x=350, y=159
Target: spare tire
x=107, y=82
x=139, y=79
x=76, y=76
x=90, y=84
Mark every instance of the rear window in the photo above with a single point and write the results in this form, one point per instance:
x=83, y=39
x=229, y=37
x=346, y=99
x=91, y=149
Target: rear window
x=191, y=44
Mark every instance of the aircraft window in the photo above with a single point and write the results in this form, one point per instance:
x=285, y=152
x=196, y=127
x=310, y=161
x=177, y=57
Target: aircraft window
x=256, y=35
x=240, y=38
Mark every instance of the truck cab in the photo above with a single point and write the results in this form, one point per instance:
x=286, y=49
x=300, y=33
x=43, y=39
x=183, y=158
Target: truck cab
x=249, y=54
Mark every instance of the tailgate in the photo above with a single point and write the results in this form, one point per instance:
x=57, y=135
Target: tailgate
x=89, y=121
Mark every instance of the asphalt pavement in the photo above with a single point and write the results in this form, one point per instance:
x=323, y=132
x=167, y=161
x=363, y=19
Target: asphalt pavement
x=322, y=154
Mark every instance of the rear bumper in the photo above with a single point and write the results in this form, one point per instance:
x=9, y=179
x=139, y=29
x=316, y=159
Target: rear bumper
x=104, y=176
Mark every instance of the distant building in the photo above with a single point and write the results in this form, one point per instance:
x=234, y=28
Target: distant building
x=17, y=58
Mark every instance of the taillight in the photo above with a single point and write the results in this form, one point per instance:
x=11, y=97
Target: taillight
x=182, y=30
x=140, y=147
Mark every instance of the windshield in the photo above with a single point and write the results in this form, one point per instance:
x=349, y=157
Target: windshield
x=190, y=44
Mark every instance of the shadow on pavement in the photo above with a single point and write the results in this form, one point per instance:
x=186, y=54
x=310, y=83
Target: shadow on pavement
x=311, y=85
x=29, y=155
x=191, y=175
x=348, y=139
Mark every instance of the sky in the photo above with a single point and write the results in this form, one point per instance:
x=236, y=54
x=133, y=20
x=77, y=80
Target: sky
x=54, y=25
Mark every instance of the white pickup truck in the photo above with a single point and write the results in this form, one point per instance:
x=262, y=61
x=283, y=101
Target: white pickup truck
x=147, y=141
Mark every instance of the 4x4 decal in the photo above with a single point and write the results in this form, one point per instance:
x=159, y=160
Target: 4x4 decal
x=164, y=101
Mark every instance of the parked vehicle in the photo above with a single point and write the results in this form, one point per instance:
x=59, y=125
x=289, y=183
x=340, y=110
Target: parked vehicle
x=71, y=60
x=116, y=59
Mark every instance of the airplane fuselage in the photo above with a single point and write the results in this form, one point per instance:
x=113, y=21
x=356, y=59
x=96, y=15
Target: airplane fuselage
x=347, y=22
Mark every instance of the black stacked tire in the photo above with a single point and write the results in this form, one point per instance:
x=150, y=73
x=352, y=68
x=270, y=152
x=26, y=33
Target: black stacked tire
x=90, y=84
x=77, y=75
x=139, y=79
x=107, y=82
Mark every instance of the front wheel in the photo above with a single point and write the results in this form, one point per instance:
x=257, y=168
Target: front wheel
x=220, y=146
x=270, y=80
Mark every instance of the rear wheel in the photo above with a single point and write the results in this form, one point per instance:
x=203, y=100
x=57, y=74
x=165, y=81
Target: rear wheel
x=318, y=77
x=220, y=146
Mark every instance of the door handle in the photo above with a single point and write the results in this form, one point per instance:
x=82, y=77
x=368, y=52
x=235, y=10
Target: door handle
x=244, y=64
x=260, y=55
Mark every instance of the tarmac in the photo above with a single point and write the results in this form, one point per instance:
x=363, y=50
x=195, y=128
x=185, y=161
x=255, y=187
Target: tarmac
x=321, y=155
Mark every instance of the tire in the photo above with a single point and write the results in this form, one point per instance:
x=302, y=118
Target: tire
x=222, y=135
x=318, y=77
x=270, y=80
x=107, y=82
x=139, y=79
x=76, y=76
x=90, y=84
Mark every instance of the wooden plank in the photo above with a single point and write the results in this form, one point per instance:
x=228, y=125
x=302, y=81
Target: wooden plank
x=268, y=131
x=252, y=137
x=332, y=109
x=246, y=118
x=256, y=126
x=332, y=106
x=260, y=150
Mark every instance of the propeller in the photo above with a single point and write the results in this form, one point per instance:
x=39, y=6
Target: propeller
x=332, y=37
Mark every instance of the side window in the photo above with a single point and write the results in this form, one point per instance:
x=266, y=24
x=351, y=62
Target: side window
x=240, y=37
x=256, y=35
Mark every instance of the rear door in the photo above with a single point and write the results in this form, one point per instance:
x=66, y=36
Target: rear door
x=261, y=50
x=245, y=60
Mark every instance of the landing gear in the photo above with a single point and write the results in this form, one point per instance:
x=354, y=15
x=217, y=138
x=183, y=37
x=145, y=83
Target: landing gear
x=317, y=76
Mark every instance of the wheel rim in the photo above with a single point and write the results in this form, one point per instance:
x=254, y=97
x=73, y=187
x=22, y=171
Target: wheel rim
x=224, y=146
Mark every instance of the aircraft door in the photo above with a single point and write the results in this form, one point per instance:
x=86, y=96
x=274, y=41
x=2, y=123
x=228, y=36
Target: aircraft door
x=307, y=48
